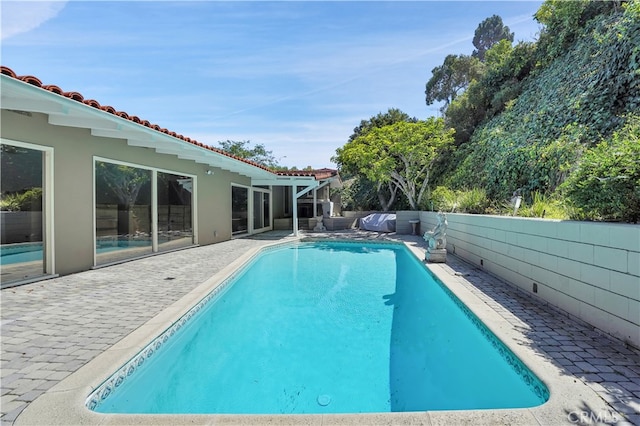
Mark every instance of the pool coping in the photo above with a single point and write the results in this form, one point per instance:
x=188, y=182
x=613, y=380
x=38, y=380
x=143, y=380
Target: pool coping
x=64, y=403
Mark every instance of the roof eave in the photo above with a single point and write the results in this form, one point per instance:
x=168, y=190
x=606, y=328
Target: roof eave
x=63, y=111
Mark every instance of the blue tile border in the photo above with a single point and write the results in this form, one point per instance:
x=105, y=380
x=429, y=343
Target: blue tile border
x=528, y=377
x=106, y=388
x=102, y=392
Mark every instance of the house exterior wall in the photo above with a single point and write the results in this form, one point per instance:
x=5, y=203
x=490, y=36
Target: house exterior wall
x=74, y=151
x=278, y=201
x=307, y=199
x=590, y=270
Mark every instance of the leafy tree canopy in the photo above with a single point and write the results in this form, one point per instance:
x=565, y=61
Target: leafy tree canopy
x=451, y=78
x=489, y=32
x=258, y=154
x=385, y=192
x=393, y=115
x=123, y=181
x=564, y=21
x=398, y=154
x=564, y=108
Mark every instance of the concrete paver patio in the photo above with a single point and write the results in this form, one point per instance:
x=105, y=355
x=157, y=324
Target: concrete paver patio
x=52, y=328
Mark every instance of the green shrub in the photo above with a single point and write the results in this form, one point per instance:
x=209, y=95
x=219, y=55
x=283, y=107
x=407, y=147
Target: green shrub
x=30, y=200
x=472, y=201
x=606, y=185
x=543, y=206
x=562, y=109
x=442, y=198
x=10, y=203
x=462, y=201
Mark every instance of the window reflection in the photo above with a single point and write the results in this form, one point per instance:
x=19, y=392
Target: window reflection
x=174, y=211
x=21, y=227
x=261, y=211
x=123, y=212
x=239, y=210
x=266, y=210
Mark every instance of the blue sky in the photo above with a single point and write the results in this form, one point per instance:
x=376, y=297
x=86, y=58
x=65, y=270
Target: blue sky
x=294, y=76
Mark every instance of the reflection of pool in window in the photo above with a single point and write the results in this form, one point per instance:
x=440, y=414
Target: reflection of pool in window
x=124, y=211
x=17, y=253
x=32, y=252
x=21, y=198
x=112, y=250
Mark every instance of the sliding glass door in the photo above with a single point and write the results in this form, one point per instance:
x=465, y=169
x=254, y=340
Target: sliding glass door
x=123, y=212
x=261, y=210
x=175, y=227
x=239, y=210
x=24, y=246
x=139, y=211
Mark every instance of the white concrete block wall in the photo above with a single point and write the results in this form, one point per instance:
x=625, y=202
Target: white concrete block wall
x=402, y=221
x=590, y=270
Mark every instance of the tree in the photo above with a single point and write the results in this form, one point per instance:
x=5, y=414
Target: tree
x=386, y=193
x=489, y=32
x=506, y=67
x=393, y=115
x=398, y=155
x=124, y=182
x=452, y=77
x=257, y=154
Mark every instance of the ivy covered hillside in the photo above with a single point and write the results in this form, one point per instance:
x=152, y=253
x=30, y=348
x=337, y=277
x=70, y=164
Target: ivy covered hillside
x=556, y=121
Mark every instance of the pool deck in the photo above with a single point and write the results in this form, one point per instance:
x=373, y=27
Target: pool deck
x=61, y=336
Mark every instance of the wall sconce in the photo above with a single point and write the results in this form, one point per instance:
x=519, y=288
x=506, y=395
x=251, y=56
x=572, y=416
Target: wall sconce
x=209, y=172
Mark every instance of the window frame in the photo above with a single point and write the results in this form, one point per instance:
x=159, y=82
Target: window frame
x=48, y=222
x=154, y=205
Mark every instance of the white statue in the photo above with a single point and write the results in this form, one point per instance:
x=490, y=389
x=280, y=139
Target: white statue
x=319, y=225
x=437, y=238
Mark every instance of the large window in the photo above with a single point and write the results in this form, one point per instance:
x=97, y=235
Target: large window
x=140, y=211
x=25, y=248
x=123, y=212
x=239, y=210
x=174, y=211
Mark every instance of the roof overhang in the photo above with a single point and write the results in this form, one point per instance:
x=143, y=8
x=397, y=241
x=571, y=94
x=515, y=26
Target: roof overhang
x=306, y=181
x=63, y=111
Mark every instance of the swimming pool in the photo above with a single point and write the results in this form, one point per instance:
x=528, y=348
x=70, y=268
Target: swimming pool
x=324, y=328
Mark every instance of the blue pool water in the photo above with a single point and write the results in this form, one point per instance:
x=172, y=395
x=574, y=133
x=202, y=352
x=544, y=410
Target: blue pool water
x=26, y=256
x=18, y=253
x=31, y=252
x=115, y=245
x=325, y=328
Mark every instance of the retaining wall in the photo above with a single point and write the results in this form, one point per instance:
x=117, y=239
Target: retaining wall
x=590, y=270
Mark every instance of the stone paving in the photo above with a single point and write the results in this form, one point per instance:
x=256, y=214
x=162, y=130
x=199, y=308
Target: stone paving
x=606, y=365
x=52, y=328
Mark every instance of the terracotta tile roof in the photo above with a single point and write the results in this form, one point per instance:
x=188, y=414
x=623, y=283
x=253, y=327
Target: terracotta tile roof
x=111, y=110
x=319, y=174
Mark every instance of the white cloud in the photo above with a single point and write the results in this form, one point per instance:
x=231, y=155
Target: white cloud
x=18, y=17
